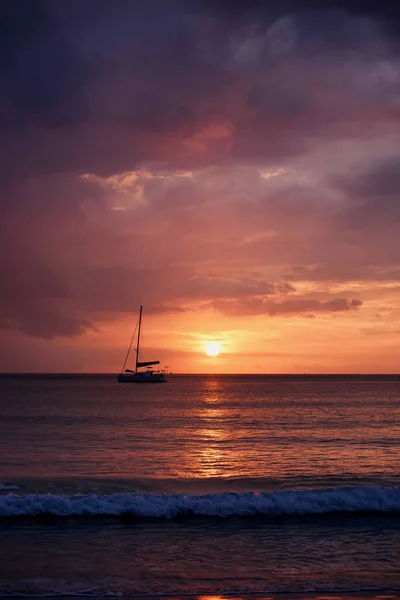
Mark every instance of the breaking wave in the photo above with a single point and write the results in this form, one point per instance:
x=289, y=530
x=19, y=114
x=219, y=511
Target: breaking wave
x=139, y=505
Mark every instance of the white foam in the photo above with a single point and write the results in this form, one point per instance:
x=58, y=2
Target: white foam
x=8, y=486
x=365, y=498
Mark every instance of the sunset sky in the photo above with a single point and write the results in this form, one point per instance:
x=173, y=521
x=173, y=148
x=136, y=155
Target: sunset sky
x=234, y=166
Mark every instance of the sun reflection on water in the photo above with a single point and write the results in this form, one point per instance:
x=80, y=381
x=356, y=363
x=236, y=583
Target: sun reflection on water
x=210, y=457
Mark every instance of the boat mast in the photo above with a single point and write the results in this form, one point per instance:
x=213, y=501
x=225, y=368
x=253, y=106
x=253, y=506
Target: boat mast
x=138, y=338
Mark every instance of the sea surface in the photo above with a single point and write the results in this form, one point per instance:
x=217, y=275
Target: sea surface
x=205, y=485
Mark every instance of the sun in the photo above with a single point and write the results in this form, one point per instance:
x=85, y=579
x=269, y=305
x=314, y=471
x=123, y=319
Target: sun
x=213, y=348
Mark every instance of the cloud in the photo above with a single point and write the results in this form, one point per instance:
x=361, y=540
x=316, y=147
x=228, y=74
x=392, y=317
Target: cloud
x=92, y=248
x=372, y=194
x=296, y=306
x=44, y=324
x=199, y=153
x=96, y=90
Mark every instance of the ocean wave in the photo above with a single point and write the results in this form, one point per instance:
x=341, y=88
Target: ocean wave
x=8, y=486
x=279, y=503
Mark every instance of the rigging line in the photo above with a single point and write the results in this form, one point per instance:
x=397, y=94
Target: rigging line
x=129, y=349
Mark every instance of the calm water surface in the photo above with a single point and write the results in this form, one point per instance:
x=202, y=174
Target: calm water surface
x=202, y=485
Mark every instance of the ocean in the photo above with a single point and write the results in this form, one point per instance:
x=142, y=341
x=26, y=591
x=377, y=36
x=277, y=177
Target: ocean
x=205, y=485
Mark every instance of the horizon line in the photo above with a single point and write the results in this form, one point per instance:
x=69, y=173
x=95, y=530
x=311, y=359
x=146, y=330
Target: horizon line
x=112, y=374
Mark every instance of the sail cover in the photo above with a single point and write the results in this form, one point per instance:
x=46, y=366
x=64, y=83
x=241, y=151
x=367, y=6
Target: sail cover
x=148, y=363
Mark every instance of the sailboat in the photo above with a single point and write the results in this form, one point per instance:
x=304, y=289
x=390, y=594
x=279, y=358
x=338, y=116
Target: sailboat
x=136, y=376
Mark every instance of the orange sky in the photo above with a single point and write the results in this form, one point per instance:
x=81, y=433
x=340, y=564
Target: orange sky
x=348, y=343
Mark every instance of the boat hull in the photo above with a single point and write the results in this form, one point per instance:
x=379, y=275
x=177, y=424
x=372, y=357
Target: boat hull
x=141, y=378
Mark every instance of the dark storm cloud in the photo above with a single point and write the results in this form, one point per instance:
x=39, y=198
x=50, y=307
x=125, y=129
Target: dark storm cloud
x=373, y=195
x=387, y=9
x=380, y=179
x=157, y=66
x=42, y=73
